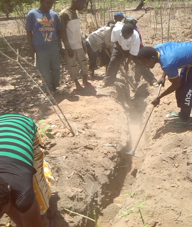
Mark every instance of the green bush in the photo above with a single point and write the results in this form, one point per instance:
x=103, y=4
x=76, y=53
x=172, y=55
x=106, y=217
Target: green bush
x=7, y=6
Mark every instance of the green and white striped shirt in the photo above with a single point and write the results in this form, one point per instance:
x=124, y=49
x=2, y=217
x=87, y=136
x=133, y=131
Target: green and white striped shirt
x=16, y=137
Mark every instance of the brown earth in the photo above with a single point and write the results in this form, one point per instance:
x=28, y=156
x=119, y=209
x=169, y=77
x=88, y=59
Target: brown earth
x=91, y=170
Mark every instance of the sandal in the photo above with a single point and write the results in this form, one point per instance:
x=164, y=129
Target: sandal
x=172, y=115
x=181, y=124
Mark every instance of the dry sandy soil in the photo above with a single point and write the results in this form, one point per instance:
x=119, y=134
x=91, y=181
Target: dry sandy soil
x=92, y=170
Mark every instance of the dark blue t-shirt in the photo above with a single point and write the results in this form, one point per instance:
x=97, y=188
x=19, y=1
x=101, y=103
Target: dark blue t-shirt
x=174, y=56
x=43, y=25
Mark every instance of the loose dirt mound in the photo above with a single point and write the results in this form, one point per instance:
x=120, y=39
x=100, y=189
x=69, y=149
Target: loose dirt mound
x=84, y=166
x=163, y=183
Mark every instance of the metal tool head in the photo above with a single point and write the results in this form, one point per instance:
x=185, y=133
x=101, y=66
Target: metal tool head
x=132, y=153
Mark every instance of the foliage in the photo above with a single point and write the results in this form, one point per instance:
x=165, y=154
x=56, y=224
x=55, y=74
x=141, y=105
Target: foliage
x=138, y=207
x=7, y=6
x=45, y=130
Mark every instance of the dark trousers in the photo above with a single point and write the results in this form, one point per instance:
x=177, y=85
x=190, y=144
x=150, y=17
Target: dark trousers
x=117, y=59
x=93, y=57
x=184, y=93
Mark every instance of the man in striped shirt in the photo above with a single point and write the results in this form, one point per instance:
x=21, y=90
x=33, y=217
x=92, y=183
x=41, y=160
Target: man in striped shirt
x=17, y=196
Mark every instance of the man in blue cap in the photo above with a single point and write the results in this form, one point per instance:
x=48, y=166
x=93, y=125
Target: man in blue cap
x=118, y=17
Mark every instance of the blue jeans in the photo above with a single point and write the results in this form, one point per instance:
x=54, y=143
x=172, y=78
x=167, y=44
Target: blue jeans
x=48, y=63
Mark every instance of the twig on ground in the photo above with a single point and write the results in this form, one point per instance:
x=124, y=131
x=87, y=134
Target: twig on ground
x=79, y=214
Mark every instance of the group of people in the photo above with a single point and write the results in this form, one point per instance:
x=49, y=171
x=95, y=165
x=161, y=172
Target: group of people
x=118, y=42
x=51, y=36
x=24, y=183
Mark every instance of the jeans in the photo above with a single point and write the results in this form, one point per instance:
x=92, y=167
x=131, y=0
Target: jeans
x=48, y=63
x=117, y=59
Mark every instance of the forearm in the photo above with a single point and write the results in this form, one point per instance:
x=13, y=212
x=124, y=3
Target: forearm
x=169, y=90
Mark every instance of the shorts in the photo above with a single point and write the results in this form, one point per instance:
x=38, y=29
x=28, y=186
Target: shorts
x=19, y=176
x=26, y=181
x=80, y=58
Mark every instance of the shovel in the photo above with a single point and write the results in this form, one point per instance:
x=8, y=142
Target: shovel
x=132, y=152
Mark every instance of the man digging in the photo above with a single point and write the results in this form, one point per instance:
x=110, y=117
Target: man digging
x=172, y=56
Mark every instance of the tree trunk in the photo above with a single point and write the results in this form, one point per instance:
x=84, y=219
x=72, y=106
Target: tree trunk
x=140, y=6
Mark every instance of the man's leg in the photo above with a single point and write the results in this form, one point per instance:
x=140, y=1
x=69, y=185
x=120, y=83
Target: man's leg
x=186, y=95
x=73, y=68
x=32, y=217
x=142, y=70
x=55, y=65
x=115, y=61
x=81, y=58
x=15, y=216
x=92, y=59
x=44, y=65
x=178, y=96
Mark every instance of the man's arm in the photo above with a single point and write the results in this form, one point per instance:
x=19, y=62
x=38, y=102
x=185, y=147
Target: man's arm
x=63, y=18
x=174, y=86
x=30, y=42
x=162, y=80
x=59, y=42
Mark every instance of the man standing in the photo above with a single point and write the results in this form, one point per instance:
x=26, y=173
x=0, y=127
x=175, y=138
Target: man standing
x=71, y=37
x=172, y=56
x=42, y=33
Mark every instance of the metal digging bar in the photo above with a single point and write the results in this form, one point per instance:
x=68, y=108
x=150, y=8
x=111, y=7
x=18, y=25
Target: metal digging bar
x=132, y=152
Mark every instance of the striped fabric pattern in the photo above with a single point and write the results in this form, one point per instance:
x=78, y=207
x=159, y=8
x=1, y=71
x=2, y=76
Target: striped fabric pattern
x=16, y=137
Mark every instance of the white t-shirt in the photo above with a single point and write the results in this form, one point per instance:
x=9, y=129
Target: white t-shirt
x=132, y=44
x=74, y=34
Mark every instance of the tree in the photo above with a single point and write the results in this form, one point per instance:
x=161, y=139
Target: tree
x=7, y=6
x=140, y=6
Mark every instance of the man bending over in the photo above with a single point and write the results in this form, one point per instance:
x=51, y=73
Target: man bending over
x=172, y=56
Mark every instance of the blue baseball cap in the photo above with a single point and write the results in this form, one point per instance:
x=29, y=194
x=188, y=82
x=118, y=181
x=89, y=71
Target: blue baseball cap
x=119, y=14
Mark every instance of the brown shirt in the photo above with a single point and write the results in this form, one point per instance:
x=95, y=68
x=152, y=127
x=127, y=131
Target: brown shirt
x=70, y=29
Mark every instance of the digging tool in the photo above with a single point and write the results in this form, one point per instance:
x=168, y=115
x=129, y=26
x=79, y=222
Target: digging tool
x=132, y=152
x=126, y=68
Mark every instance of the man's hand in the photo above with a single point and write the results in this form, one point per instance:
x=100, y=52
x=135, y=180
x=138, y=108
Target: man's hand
x=162, y=81
x=70, y=53
x=62, y=52
x=156, y=101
